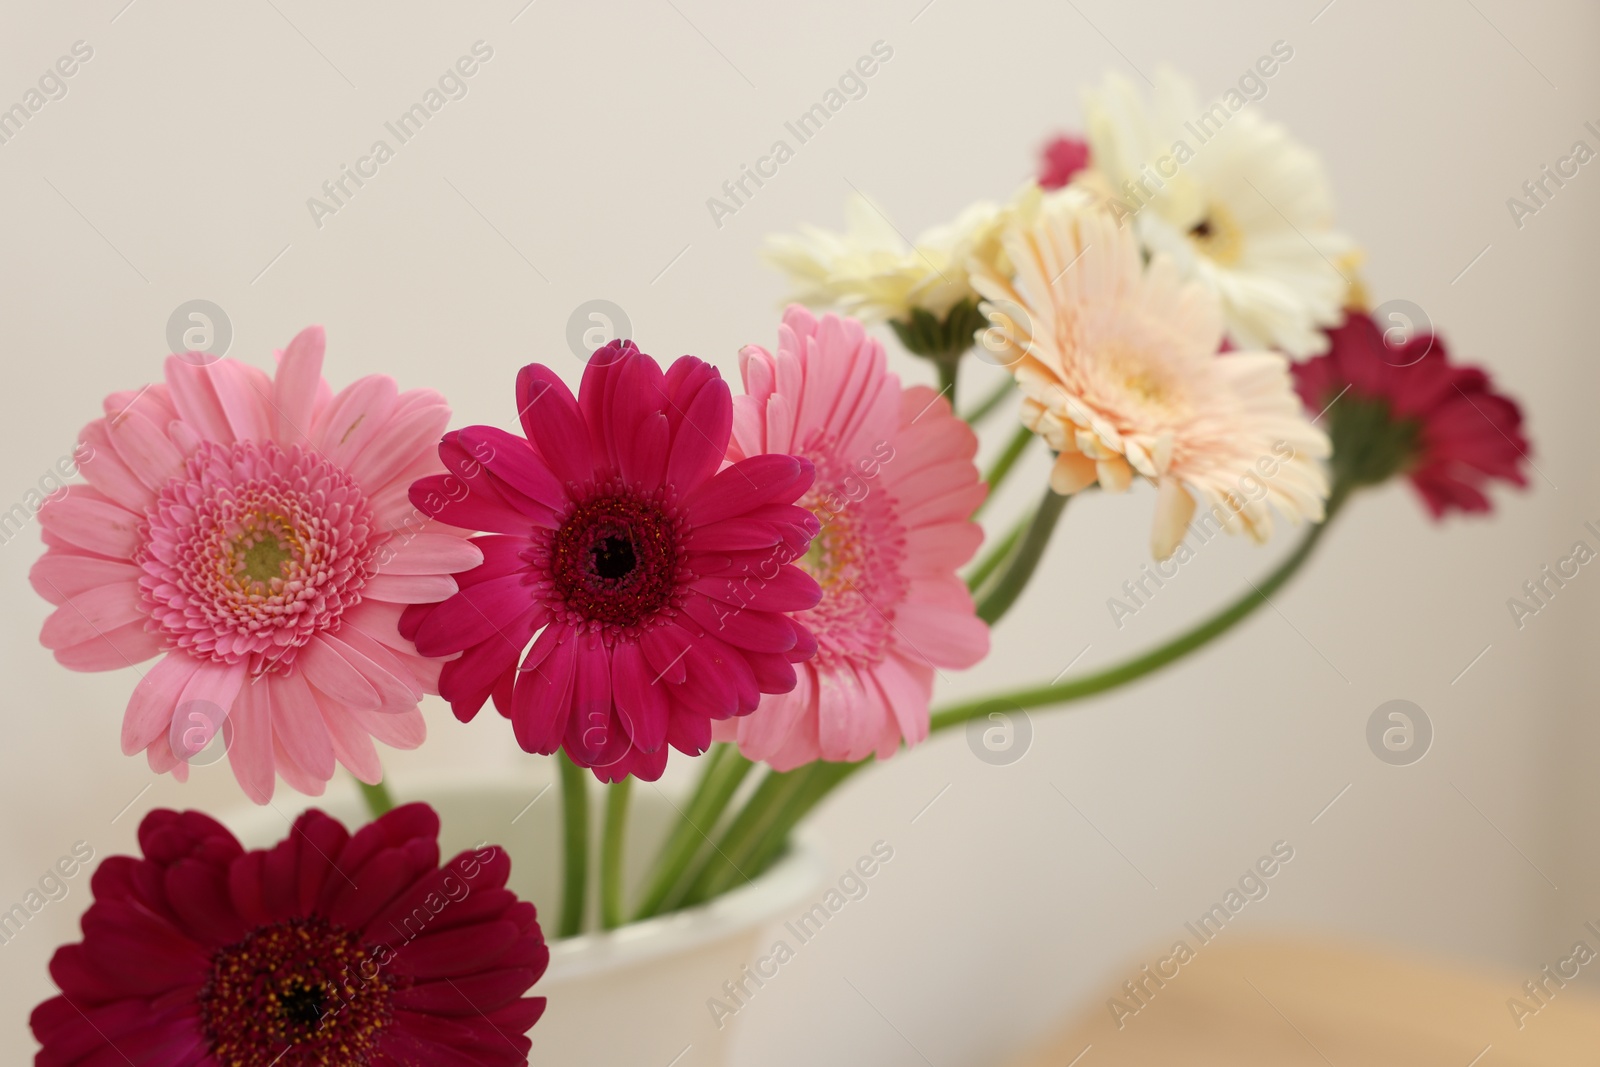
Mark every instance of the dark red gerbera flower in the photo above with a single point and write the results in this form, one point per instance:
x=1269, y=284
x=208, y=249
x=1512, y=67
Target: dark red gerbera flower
x=1060, y=159
x=655, y=579
x=329, y=949
x=1404, y=408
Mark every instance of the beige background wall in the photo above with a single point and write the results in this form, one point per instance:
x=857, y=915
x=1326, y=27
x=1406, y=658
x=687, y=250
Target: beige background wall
x=577, y=166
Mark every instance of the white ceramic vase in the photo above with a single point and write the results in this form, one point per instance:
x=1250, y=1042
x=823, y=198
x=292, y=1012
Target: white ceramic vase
x=637, y=995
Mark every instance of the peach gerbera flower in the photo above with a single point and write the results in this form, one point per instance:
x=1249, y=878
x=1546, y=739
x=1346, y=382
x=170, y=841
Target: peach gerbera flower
x=895, y=492
x=256, y=534
x=1119, y=367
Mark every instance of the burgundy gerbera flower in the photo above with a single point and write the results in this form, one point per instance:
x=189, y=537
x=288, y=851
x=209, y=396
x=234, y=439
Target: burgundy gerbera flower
x=659, y=584
x=327, y=949
x=1406, y=409
x=1060, y=159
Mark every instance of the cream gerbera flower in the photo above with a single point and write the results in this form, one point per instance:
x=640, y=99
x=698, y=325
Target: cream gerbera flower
x=869, y=272
x=1233, y=199
x=1120, y=374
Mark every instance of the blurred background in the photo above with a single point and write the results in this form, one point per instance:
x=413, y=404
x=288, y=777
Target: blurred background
x=576, y=166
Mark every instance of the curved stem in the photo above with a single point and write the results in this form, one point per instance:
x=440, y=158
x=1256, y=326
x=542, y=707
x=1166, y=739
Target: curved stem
x=724, y=771
x=998, y=553
x=988, y=404
x=1137, y=667
x=997, y=600
x=377, y=798
x=611, y=846
x=575, y=834
x=1004, y=462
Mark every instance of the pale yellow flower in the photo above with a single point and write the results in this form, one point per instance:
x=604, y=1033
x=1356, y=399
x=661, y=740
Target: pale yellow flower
x=1236, y=202
x=870, y=272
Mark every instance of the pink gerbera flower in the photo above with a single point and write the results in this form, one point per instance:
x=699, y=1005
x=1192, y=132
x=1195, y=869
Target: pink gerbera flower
x=895, y=492
x=657, y=586
x=256, y=534
x=1405, y=408
x=327, y=949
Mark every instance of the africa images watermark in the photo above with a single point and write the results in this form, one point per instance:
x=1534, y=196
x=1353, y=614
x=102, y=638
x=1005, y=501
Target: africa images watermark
x=852, y=85
x=1538, y=190
x=51, y=484
x=52, y=85
x=452, y=85
x=850, y=886
x=1252, y=887
x=1251, y=87
x=1252, y=487
x=53, y=885
x=1538, y=591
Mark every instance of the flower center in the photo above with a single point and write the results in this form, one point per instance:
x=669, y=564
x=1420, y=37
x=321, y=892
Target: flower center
x=855, y=558
x=1217, y=236
x=614, y=560
x=302, y=993
x=254, y=550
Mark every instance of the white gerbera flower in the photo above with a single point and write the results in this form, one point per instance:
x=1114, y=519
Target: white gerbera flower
x=1233, y=199
x=869, y=271
x=1118, y=365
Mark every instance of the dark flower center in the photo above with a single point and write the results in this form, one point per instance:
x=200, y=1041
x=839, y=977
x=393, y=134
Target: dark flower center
x=302, y=993
x=615, y=559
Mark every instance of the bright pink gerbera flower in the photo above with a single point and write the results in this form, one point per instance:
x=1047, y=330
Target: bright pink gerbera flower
x=329, y=948
x=895, y=493
x=255, y=533
x=1406, y=409
x=1060, y=160
x=659, y=584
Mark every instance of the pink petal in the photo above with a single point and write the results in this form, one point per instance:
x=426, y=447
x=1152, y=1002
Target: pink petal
x=155, y=699
x=552, y=421
x=429, y=553
x=58, y=575
x=298, y=726
x=334, y=675
x=204, y=705
x=409, y=588
x=141, y=444
x=91, y=614
x=294, y=389
x=113, y=650
x=94, y=524
x=250, y=746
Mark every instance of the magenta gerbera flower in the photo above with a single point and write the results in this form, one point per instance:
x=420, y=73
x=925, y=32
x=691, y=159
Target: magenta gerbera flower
x=1407, y=409
x=895, y=493
x=255, y=533
x=656, y=584
x=330, y=948
x=1060, y=159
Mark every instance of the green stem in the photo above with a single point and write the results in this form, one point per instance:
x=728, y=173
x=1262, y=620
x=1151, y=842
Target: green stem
x=1003, y=463
x=988, y=404
x=733, y=855
x=1139, y=666
x=998, y=553
x=997, y=600
x=725, y=769
x=821, y=779
x=377, y=798
x=948, y=366
x=575, y=832
x=611, y=847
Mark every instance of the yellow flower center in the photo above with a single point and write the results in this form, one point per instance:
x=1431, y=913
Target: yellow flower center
x=1218, y=236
